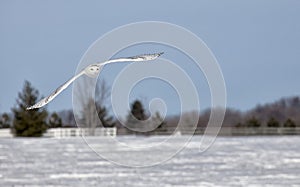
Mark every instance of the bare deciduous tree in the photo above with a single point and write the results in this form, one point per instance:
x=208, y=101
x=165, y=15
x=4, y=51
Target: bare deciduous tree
x=87, y=112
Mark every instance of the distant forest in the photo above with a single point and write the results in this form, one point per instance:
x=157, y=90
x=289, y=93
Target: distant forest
x=284, y=112
x=274, y=114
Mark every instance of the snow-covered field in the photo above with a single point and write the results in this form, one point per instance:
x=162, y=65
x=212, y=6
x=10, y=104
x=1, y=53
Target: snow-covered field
x=231, y=161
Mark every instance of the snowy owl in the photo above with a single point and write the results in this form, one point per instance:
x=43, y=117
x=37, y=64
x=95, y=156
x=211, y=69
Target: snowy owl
x=92, y=71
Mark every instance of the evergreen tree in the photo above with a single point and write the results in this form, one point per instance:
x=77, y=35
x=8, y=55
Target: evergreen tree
x=253, y=122
x=106, y=120
x=28, y=123
x=5, y=121
x=54, y=121
x=137, y=113
x=273, y=123
x=289, y=123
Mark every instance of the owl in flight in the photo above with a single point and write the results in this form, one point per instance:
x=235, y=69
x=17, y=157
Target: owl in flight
x=92, y=71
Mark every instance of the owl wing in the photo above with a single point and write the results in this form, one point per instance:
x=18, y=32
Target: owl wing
x=92, y=71
x=137, y=58
x=46, y=100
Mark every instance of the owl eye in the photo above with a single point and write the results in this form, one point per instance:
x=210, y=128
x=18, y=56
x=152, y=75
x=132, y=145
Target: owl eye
x=92, y=69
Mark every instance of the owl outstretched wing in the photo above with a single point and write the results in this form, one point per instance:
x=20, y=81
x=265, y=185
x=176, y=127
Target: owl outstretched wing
x=92, y=71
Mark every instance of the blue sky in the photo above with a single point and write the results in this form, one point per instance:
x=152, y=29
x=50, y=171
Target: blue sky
x=256, y=43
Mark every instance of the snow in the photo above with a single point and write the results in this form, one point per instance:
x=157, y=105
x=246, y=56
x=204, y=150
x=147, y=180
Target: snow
x=231, y=161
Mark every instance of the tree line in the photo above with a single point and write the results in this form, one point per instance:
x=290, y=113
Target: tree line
x=282, y=113
x=33, y=123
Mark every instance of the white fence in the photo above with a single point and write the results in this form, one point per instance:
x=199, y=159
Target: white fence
x=224, y=131
x=5, y=133
x=69, y=132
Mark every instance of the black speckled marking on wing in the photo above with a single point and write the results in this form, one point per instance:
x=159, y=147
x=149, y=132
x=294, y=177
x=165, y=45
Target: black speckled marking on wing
x=54, y=93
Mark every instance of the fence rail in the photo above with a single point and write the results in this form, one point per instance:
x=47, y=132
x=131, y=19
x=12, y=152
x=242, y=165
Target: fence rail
x=69, y=132
x=5, y=133
x=224, y=131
